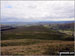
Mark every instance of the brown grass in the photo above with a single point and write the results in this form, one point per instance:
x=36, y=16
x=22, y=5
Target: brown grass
x=46, y=47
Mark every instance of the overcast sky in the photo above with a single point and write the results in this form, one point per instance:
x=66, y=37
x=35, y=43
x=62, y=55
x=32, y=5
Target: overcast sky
x=33, y=11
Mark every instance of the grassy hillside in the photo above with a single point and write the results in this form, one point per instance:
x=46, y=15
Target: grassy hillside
x=36, y=40
x=34, y=32
x=35, y=47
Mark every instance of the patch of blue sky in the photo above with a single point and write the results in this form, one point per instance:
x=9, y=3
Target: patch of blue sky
x=9, y=6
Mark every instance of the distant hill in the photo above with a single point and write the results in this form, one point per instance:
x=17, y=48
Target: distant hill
x=55, y=25
x=6, y=27
x=63, y=26
x=35, y=23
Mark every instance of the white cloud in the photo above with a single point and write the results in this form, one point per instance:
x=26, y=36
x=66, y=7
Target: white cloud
x=37, y=10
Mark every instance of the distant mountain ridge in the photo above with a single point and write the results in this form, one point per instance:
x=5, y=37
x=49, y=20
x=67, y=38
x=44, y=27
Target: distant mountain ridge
x=45, y=22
